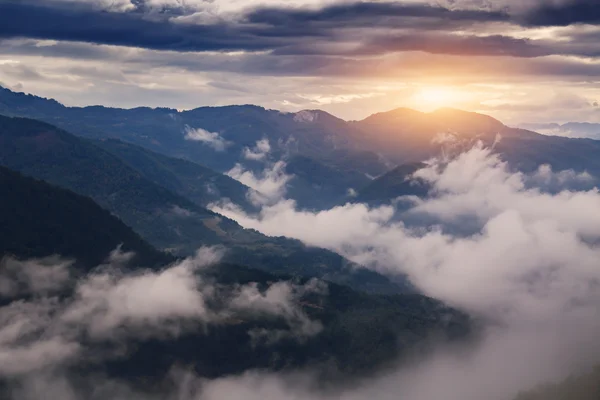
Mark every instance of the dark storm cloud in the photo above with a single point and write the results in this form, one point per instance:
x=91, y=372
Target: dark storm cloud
x=323, y=34
x=563, y=13
x=23, y=19
x=261, y=29
x=367, y=13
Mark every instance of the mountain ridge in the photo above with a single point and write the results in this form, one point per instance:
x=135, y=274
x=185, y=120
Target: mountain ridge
x=40, y=220
x=33, y=96
x=167, y=220
x=351, y=150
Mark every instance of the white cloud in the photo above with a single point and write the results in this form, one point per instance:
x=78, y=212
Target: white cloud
x=547, y=179
x=214, y=7
x=268, y=186
x=44, y=275
x=259, y=152
x=45, y=331
x=280, y=299
x=147, y=302
x=212, y=139
x=493, y=242
x=528, y=263
x=105, y=5
x=112, y=305
x=519, y=231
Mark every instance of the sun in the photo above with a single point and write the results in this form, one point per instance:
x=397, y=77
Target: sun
x=431, y=98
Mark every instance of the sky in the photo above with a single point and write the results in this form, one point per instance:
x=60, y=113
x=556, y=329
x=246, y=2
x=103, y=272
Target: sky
x=521, y=61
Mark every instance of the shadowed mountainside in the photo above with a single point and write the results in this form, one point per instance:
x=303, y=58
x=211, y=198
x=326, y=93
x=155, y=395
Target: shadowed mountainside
x=167, y=220
x=40, y=220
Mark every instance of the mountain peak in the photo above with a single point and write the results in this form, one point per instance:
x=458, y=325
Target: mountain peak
x=311, y=116
x=466, y=119
x=396, y=114
x=453, y=117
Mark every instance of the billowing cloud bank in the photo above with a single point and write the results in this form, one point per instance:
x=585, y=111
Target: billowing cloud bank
x=512, y=249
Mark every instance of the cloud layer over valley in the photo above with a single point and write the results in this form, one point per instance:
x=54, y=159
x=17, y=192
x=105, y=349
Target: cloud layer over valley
x=518, y=251
x=53, y=319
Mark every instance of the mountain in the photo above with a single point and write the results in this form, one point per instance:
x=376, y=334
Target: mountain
x=362, y=333
x=216, y=137
x=316, y=185
x=316, y=145
x=312, y=133
x=393, y=184
x=40, y=220
x=569, y=129
x=190, y=180
x=409, y=136
x=405, y=135
x=164, y=219
x=167, y=220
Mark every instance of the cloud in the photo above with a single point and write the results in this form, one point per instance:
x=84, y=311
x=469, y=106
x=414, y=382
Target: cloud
x=146, y=302
x=517, y=250
x=365, y=13
x=45, y=275
x=212, y=139
x=259, y=152
x=28, y=341
x=103, y=5
x=268, y=186
x=123, y=29
x=552, y=181
x=527, y=267
x=61, y=319
x=563, y=13
x=518, y=231
x=280, y=299
x=196, y=26
x=43, y=330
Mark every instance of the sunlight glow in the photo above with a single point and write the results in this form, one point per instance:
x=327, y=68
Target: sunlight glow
x=430, y=98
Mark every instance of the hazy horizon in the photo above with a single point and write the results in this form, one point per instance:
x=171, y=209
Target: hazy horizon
x=518, y=61
x=530, y=125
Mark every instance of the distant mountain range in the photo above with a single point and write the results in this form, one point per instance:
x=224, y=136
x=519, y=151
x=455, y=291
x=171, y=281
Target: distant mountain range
x=569, y=129
x=325, y=144
x=158, y=169
x=312, y=134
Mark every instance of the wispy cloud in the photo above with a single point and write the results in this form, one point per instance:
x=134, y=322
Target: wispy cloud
x=269, y=186
x=212, y=139
x=259, y=152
